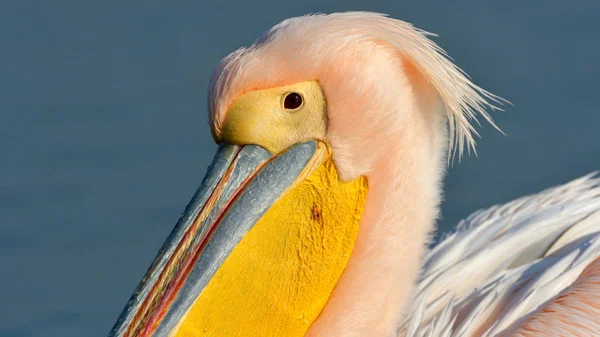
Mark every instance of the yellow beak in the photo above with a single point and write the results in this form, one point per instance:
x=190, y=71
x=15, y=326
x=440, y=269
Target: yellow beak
x=257, y=251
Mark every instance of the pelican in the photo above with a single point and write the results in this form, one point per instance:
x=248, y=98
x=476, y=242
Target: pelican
x=315, y=215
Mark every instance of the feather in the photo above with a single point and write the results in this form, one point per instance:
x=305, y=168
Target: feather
x=503, y=265
x=351, y=33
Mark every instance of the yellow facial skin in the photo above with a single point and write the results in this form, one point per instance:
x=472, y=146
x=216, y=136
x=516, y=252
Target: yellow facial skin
x=259, y=117
x=280, y=276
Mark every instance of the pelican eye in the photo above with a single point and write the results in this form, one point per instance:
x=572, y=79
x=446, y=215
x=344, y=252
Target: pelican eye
x=292, y=101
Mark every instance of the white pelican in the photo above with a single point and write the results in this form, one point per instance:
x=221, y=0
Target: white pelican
x=315, y=216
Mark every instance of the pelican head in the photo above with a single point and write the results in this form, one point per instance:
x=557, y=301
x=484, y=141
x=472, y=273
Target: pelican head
x=334, y=132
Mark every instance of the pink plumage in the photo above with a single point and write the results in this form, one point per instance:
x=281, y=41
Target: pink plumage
x=573, y=312
x=397, y=109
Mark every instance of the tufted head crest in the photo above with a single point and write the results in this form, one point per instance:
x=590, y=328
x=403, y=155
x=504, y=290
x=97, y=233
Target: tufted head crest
x=318, y=46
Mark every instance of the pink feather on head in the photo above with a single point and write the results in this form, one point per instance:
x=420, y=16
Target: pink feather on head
x=356, y=57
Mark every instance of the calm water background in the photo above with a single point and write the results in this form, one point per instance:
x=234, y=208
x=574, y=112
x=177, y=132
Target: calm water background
x=103, y=133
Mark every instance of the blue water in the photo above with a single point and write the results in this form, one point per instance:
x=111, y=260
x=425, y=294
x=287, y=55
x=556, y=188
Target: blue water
x=103, y=132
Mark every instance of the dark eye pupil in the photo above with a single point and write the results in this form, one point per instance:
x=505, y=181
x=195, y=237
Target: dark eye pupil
x=292, y=101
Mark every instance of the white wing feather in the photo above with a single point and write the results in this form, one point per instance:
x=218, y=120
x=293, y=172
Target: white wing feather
x=505, y=262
